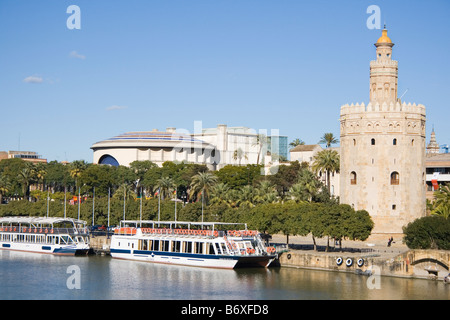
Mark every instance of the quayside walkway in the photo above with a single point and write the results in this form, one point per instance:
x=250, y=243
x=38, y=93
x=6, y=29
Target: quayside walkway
x=364, y=257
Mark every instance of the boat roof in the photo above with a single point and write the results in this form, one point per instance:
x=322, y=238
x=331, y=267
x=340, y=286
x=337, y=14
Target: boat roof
x=187, y=223
x=38, y=220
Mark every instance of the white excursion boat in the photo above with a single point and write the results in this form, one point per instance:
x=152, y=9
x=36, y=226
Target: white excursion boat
x=60, y=236
x=190, y=243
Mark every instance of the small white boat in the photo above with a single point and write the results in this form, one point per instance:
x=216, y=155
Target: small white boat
x=190, y=243
x=60, y=236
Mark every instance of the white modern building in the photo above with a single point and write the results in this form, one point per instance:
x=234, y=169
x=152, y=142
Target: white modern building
x=214, y=147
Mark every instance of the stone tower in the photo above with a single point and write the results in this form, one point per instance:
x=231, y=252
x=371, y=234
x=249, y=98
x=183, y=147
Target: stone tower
x=433, y=146
x=383, y=150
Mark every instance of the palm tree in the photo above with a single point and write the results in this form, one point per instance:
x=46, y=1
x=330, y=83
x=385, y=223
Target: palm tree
x=26, y=177
x=326, y=160
x=297, y=192
x=40, y=174
x=239, y=154
x=246, y=196
x=265, y=192
x=220, y=194
x=76, y=169
x=125, y=191
x=328, y=139
x=5, y=186
x=261, y=142
x=202, y=183
x=441, y=204
x=306, y=188
x=166, y=185
x=297, y=142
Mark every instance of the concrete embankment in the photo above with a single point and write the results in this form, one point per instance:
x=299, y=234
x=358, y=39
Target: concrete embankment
x=397, y=261
x=100, y=245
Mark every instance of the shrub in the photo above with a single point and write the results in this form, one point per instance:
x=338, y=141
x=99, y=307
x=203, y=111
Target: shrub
x=432, y=232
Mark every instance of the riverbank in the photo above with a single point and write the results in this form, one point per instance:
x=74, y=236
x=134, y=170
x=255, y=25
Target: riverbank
x=369, y=257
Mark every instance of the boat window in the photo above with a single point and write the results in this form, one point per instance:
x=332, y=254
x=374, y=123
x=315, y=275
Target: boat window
x=211, y=249
x=165, y=245
x=176, y=246
x=188, y=247
x=224, y=247
x=218, y=248
x=199, y=247
x=155, y=245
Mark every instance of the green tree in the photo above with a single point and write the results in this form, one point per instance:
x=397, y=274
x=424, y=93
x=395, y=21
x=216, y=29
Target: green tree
x=76, y=169
x=238, y=154
x=326, y=160
x=297, y=142
x=5, y=186
x=431, y=232
x=441, y=204
x=328, y=139
x=26, y=177
x=202, y=183
x=166, y=185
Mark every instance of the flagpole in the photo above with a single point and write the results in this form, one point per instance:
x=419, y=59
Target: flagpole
x=140, y=211
x=175, y=205
x=109, y=196
x=65, y=201
x=202, y=208
x=93, y=205
x=159, y=204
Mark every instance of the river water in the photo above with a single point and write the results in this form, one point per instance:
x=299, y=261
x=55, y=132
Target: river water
x=36, y=276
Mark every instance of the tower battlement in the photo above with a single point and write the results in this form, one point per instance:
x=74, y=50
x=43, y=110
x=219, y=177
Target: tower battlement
x=359, y=108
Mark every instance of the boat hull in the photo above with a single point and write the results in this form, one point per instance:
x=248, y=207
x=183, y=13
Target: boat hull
x=69, y=250
x=193, y=260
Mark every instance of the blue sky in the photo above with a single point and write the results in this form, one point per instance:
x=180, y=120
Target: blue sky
x=266, y=64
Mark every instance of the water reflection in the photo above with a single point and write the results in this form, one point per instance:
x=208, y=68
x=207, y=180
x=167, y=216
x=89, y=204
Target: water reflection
x=37, y=276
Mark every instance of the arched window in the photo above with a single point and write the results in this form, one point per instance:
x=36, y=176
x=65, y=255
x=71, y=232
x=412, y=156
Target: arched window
x=394, y=142
x=353, y=177
x=109, y=160
x=395, y=178
x=372, y=142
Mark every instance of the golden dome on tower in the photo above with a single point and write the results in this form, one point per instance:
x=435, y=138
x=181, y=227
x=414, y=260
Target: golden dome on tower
x=384, y=38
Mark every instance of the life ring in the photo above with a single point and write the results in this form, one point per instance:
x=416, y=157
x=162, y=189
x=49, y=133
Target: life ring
x=289, y=256
x=349, y=262
x=360, y=262
x=339, y=261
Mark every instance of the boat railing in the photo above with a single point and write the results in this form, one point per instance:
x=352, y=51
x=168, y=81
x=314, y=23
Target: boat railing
x=182, y=232
x=43, y=230
x=189, y=232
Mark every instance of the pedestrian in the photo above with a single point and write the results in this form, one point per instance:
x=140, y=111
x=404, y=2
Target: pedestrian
x=390, y=241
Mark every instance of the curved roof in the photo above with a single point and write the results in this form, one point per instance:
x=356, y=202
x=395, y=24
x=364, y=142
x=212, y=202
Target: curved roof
x=148, y=139
x=384, y=37
x=38, y=220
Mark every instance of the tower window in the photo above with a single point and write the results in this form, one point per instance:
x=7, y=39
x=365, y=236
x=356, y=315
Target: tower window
x=394, y=207
x=353, y=177
x=394, y=142
x=372, y=142
x=395, y=178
